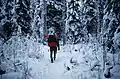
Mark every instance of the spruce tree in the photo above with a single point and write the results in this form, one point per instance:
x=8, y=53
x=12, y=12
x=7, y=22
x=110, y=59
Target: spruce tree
x=7, y=24
x=54, y=17
x=23, y=16
x=76, y=29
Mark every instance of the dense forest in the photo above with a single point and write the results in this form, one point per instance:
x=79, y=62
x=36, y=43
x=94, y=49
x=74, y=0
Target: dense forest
x=89, y=37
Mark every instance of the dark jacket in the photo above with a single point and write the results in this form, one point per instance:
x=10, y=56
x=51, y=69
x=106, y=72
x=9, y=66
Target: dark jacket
x=52, y=41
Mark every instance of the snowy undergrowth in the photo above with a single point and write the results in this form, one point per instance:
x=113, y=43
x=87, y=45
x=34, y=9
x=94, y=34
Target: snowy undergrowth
x=31, y=60
x=73, y=62
x=27, y=59
x=16, y=53
x=83, y=61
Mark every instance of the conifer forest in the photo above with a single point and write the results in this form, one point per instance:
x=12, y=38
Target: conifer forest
x=87, y=31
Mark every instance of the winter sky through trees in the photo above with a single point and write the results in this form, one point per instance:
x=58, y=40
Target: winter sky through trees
x=89, y=37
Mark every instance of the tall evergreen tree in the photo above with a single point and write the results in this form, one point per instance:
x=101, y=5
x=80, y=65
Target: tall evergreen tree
x=7, y=19
x=110, y=24
x=76, y=29
x=23, y=16
x=90, y=16
x=37, y=23
x=54, y=15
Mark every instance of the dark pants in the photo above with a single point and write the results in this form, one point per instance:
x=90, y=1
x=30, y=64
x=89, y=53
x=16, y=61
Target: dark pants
x=53, y=50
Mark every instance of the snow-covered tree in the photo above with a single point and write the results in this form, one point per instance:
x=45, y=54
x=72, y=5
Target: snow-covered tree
x=110, y=25
x=74, y=29
x=109, y=30
x=7, y=22
x=23, y=16
x=90, y=16
x=54, y=14
x=37, y=14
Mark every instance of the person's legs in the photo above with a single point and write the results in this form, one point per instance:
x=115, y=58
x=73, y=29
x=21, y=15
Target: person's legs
x=51, y=51
x=55, y=51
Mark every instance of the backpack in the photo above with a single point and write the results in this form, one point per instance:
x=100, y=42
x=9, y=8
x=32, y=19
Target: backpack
x=52, y=38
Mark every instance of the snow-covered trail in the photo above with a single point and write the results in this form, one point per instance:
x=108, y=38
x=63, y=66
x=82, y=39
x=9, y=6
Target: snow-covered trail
x=44, y=69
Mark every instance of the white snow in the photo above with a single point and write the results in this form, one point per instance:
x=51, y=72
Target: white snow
x=72, y=61
x=46, y=69
x=12, y=75
x=117, y=39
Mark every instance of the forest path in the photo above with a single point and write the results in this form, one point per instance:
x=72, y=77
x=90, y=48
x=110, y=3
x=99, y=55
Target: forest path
x=44, y=69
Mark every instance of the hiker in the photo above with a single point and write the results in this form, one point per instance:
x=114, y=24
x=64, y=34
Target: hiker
x=53, y=43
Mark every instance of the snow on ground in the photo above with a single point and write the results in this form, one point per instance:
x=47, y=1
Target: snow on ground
x=44, y=69
x=115, y=72
x=12, y=75
x=62, y=68
x=72, y=62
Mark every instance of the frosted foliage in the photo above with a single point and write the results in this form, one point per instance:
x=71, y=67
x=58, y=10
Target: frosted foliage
x=117, y=39
x=17, y=51
x=89, y=33
x=83, y=61
x=32, y=58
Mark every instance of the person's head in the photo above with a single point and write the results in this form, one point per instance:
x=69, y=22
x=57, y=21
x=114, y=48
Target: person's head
x=51, y=33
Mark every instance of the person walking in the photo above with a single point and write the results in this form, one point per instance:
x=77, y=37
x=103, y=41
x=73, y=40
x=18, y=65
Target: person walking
x=53, y=43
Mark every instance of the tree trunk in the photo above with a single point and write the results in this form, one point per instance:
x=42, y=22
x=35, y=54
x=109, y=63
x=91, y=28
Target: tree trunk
x=45, y=15
x=44, y=20
x=64, y=24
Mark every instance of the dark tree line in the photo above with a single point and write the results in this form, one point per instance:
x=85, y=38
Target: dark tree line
x=14, y=15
